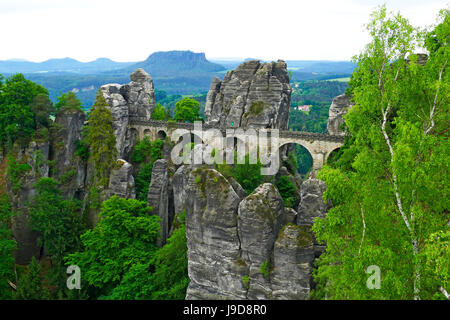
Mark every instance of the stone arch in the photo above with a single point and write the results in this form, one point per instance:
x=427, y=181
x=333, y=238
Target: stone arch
x=161, y=134
x=134, y=136
x=300, y=150
x=147, y=133
x=331, y=153
x=186, y=138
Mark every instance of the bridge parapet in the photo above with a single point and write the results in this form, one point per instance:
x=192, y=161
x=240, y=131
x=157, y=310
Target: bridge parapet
x=304, y=135
x=319, y=145
x=311, y=136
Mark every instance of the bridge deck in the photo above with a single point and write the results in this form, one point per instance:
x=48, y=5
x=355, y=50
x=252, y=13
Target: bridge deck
x=190, y=126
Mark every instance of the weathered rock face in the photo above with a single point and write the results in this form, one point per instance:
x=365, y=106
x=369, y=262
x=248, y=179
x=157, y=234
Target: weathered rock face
x=238, y=249
x=260, y=219
x=135, y=99
x=120, y=112
x=158, y=197
x=339, y=107
x=212, y=237
x=36, y=156
x=311, y=204
x=179, y=185
x=293, y=263
x=254, y=95
x=237, y=188
x=121, y=181
x=69, y=169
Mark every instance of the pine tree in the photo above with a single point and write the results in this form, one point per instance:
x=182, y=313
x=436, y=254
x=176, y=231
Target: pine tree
x=30, y=286
x=101, y=139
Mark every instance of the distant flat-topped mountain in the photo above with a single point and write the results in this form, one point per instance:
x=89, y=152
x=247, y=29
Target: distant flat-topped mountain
x=60, y=65
x=176, y=72
x=165, y=63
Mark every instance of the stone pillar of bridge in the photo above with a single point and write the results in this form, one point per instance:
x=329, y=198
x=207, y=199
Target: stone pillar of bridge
x=318, y=162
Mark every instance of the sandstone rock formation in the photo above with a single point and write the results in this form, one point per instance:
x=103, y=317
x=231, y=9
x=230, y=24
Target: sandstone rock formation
x=293, y=264
x=311, y=204
x=260, y=219
x=339, y=107
x=253, y=95
x=179, y=185
x=68, y=169
x=36, y=156
x=247, y=248
x=135, y=99
x=212, y=237
x=158, y=197
x=121, y=181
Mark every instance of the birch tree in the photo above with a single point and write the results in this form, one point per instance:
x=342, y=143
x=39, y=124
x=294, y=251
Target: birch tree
x=390, y=186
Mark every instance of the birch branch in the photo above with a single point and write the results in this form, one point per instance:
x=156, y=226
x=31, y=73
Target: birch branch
x=444, y=292
x=433, y=108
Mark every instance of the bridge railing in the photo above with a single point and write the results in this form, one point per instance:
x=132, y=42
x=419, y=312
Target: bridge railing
x=143, y=121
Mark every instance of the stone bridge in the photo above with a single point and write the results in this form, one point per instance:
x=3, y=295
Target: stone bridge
x=319, y=145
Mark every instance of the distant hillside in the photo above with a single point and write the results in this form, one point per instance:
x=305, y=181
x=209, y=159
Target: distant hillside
x=175, y=72
x=175, y=63
x=61, y=65
x=303, y=70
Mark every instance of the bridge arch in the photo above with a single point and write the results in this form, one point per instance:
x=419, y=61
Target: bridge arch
x=147, y=133
x=332, y=153
x=161, y=135
x=303, y=156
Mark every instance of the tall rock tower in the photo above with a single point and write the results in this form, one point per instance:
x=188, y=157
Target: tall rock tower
x=135, y=99
x=254, y=95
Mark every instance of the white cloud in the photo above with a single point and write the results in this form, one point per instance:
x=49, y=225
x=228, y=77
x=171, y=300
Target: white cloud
x=130, y=30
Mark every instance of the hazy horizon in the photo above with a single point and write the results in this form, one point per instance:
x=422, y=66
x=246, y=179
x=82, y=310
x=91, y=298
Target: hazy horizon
x=224, y=59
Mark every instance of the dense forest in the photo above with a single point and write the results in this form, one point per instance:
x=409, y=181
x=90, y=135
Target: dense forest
x=388, y=183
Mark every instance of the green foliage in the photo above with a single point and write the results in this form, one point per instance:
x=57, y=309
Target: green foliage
x=15, y=171
x=141, y=151
x=124, y=237
x=438, y=37
x=142, y=181
x=292, y=162
x=7, y=246
x=67, y=176
x=23, y=107
x=59, y=224
x=101, y=138
x=437, y=257
x=82, y=148
x=145, y=153
x=248, y=175
x=287, y=191
x=316, y=93
x=388, y=183
x=313, y=121
x=168, y=281
x=255, y=108
x=264, y=268
x=160, y=113
x=187, y=110
x=42, y=108
x=94, y=198
x=246, y=281
x=68, y=101
x=31, y=285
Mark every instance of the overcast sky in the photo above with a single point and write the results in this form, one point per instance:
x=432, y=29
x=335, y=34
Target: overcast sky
x=130, y=30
